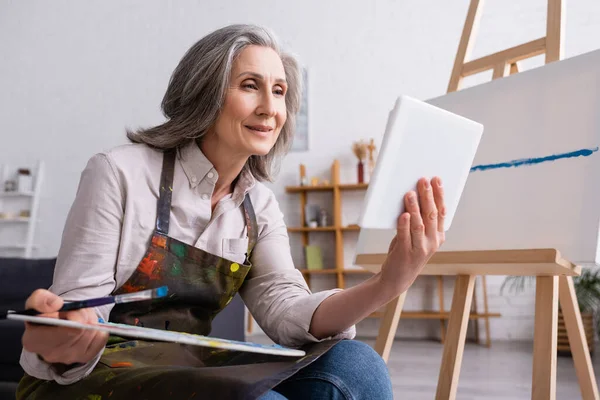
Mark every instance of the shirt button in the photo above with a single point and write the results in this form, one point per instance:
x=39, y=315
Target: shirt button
x=210, y=174
x=204, y=196
x=194, y=179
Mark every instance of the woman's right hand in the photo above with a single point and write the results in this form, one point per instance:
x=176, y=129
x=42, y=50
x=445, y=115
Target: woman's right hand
x=58, y=344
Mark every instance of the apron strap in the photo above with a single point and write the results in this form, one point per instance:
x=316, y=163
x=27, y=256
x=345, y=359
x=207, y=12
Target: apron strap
x=165, y=190
x=164, y=204
x=251, y=226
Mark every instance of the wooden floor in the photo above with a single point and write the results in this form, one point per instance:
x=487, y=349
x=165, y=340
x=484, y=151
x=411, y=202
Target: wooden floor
x=500, y=372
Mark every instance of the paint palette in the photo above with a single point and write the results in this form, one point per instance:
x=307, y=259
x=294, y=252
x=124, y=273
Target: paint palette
x=165, y=336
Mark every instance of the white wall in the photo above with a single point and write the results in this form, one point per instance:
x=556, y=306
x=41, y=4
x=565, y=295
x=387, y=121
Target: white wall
x=73, y=75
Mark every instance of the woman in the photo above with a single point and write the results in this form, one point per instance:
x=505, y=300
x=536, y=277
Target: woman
x=184, y=206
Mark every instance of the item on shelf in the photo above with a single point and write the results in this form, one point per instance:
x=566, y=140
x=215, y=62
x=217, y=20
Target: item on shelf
x=314, y=181
x=311, y=215
x=303, y=178
x=25, y=214
x=314, y=258
x=10, y=186
x=24, y=180
x=371, y=168
x=7, y=215
x=322, y=217
x=325, y=182
x=360, y=151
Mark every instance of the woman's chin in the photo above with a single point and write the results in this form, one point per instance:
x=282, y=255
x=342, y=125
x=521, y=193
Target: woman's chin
x=263, y=151
x=260, y=149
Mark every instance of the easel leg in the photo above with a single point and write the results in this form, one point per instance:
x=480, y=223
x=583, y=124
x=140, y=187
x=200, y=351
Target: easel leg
x=486, y=310
x=455, y=338
x=577, y=340
x=388, y=326
x=474, y=309
x=440, y=281
x=544, y=339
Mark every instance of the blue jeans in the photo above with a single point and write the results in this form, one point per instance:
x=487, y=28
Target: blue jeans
x=351, y=370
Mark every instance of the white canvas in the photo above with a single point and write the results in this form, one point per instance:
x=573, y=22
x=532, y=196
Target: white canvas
x=535, y=182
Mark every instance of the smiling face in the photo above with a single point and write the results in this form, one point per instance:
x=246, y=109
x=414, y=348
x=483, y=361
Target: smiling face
x=254, y=110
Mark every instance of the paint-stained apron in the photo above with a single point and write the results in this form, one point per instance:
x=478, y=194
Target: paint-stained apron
x=200, y=285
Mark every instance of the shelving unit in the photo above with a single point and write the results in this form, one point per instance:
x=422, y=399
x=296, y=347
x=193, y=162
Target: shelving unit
x=336, y=188
x=17, y=232
x=340, y=270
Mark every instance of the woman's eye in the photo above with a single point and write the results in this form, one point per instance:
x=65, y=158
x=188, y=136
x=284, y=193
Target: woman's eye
x=279, y=91
x=249, y=86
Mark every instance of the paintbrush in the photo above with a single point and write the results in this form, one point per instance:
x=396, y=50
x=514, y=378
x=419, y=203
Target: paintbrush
x=120, y=298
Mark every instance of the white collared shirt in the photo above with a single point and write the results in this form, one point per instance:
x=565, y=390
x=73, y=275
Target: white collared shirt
x=112, y=219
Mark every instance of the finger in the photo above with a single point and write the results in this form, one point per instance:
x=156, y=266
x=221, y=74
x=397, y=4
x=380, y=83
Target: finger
x=428, y=208
x=70, y=343
x=96, y=345
x=403, y=231
x=40, y=338
x=80, y=316
x=51, y=342
x=44, y=301
x=81, y=348
x=78, y=349
x=416, y=222
x=438, y=195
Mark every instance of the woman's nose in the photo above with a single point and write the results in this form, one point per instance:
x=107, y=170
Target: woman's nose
x=266, y=106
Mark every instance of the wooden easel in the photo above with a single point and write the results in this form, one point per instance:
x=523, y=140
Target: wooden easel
x=502, y=63
x=554, y=283
x=505, y=62
x=554, y=274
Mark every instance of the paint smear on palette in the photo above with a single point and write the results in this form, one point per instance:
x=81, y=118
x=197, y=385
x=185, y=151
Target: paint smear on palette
x=537, y=160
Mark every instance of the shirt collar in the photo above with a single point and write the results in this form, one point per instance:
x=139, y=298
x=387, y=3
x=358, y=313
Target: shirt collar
x=197, y=168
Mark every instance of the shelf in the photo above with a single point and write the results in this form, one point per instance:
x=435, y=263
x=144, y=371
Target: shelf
x=299, y=189
x=358, y=271
x=16, y=194
x=323, y=229
x=308, y=229
x=18, y=219
x=442, y=315
x=353, y=186
x=323, y=188
x=435, y=315
x=15, y=246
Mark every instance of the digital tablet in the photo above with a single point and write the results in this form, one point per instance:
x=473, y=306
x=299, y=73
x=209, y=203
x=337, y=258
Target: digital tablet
x=420, y=140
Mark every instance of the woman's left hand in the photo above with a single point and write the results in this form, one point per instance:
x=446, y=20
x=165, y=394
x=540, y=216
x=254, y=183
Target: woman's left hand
x=420, y=232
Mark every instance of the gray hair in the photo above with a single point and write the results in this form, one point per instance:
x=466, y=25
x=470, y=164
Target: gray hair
x=196, y=94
